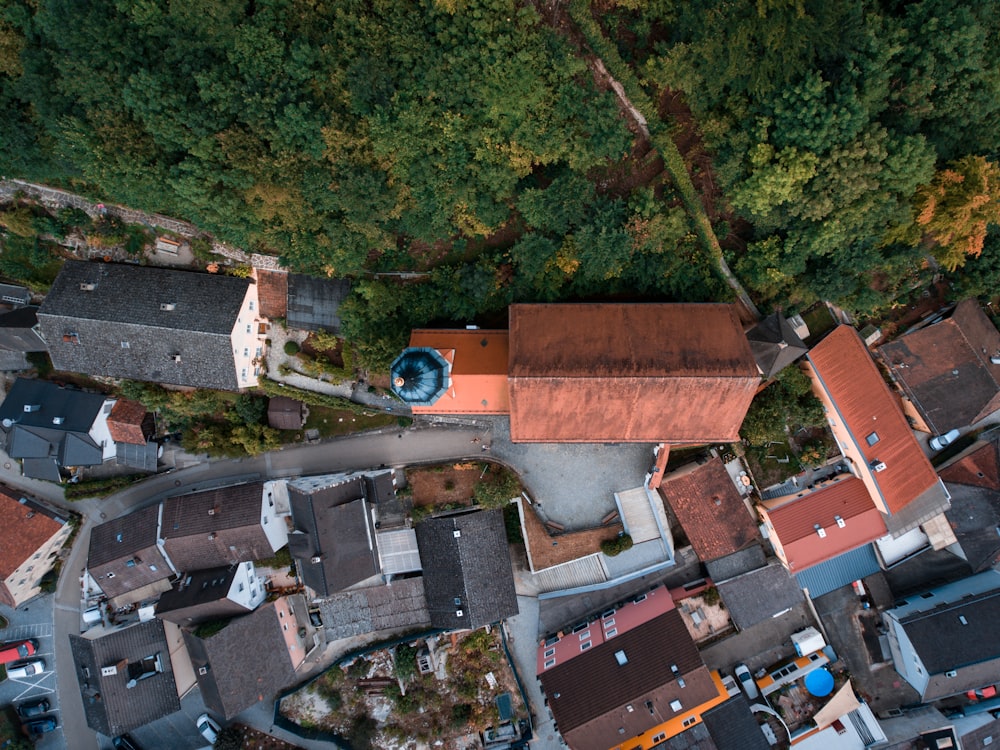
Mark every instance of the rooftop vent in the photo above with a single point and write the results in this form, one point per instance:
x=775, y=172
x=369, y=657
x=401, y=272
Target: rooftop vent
x=168, y=306
x=877, y=465
x=995, y=359
x=176, y=357
x=29, y=408
x=87, y=287
x=202, y=670
x=316, y=559
x=112, y=670
x=820, y=531
x=211, y=511
x=212, y=537
x=840, y=521
x=457, y=533
x=459, y=613
x=58, y=420
x=621, y=658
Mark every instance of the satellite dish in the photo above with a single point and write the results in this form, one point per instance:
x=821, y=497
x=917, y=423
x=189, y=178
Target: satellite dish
x=7, y=423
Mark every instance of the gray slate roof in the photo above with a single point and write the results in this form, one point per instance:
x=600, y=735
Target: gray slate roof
x=16, y=331
x=732, y=726
x=237, y=676
x=110, y=706
x=368, y=610
x=215, y=528
x=125, y=306
x=466, y=566
x=314, y=303
x=758, y=595
x=775, y=344
x=15, y=295
x=335, y=526
x=736, y=564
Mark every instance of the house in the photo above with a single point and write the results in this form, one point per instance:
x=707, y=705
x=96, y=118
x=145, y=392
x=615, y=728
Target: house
x=126, y=558
x=948, y=370
x=360, y=611
x=943, y=641
x=711, y=511
x=125, y=676
x=285, y=413
x=145, y=323
x=630, y=677
x=314, y=303
x=18, y=330
x=250, y=659
x=759, y=595
x=590, y=373
x=212, y=594
x=468, y=578
x=15, y=296
x=334, y=543
x=775, y=345
x=872, y=432
x=221, y=527
x=132, y=428
x=50, y=428
x=32, y=536
x=973, y=481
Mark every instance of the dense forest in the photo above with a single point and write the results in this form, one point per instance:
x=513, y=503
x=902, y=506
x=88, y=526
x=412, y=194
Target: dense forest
x=842, y=150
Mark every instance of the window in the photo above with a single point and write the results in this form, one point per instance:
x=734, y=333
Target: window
x=243, y=375
x=125, y=345
x=241, y=587
x=130, y=563
x=251, y=304
x=281, y=613
x=659, y=737
x=246, y=352
x=549, y=652
x=152, y=567
x=872, y=438
x=285, y=626
x=37, y=555
x=612, y=633
x=32, y=567
x=248, y=329
x=585, y=636
x=549, y=663
x=689, y=721
x=585, y=645
x=609, y=623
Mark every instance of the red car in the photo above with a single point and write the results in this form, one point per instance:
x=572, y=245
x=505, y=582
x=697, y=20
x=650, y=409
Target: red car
x=18, y=650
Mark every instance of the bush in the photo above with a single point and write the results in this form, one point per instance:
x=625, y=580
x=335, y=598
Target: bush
x=613, y=547
x=405, y=661
x=292, y=348
x=100, y=487
x=711, y=596
x=250, y=409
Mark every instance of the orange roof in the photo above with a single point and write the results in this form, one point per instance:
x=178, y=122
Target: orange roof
x=678, y=373
x=478, y=370
x=125, y=422
x=795, y=523
x=865, y=405
x=26, y=527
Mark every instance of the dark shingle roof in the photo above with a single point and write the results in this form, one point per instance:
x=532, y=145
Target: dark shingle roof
x=200, y=596
x=314, y=303
x=77, y=409
x=733, y=727
x=336, y=528
x=774, y=344
x=125, y=306
x=466, y=566
x=758, y=595
x=738, y=563
x=110, y=706
x=16, y=330
x=215, y=528
x=108, y=558
x=236, y=677
x=944, y=642
x=975, y=517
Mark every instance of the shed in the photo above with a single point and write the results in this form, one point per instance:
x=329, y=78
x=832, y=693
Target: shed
x=285, y=413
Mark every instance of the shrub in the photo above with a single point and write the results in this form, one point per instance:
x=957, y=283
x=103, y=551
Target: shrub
x=711, y=596
x=405, y=661
x=616, y=546
x=292, y=348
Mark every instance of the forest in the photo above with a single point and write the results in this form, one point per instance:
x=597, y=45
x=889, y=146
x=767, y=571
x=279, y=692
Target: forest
x=843, y=151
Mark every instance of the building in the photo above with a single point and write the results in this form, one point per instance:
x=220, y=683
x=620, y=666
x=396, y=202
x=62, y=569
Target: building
x=630, y=677
x=250, y=659
x=973, y=481
x=18, y=330
x=334, y=542
x=125, y=676
x=32, y=537
x=285, y=413
x=759, y=595
x=468, y=578
x=132, y=428
x=591, y=373
x=126, y=558
x=221, y=527
x=873, y=434
x=313, y=303
x=943, y=641
x=775, y=345
x=948, y=370
x=212, y=594
x=50, y=428
x=711, y=511
x=145, y=323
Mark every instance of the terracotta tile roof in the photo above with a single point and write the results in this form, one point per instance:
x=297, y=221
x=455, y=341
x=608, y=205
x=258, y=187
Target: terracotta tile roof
x=979, y=468
x=865, y=405
x=272, y=291
x=126, y=421
x=705, y=501
x=589, y=694
x=794, y=523
x=946, y=370
x=478, y=361
x=546, y=550
x=26, y=527
x=680, y=373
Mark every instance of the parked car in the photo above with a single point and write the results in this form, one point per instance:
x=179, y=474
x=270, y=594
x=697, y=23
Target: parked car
x=747, y=681
x=208, y=727
x=939, y=442
x=40, y=726
x=18, y=650
x=33, y=708
x=29, y=668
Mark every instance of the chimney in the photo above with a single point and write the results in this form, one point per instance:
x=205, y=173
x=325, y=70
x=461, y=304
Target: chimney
x=58, y=420
x=87, y=287
x=71, y=338
x=168, y=306
x=820, y=531
x=176, y=357
x=29, y=408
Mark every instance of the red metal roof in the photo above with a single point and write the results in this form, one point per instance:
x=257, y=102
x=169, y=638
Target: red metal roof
x=478, y=370
x=865, y=405
x=678, y=373
x=794, y=523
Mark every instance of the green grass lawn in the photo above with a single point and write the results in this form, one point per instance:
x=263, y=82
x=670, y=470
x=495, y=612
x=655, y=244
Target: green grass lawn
x=766, y=470
x=334, y=422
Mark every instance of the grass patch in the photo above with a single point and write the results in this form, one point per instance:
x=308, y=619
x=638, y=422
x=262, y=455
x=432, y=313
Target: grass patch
x=819, y=319
x=282, y=559
x=210, y=628
x=765, y=466
x=333, y=422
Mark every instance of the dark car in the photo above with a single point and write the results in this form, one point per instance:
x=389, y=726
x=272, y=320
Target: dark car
x=124, y=742
x=40, y=726
x=33, y=708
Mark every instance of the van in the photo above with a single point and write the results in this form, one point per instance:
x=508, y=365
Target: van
x=29, y=668
x=18, y=650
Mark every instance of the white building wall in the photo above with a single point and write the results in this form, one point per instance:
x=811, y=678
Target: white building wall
x=23, y=582
x=904, y=656
x=247, y=342
x=274, y=525
x=248, y=589
x=100, y=433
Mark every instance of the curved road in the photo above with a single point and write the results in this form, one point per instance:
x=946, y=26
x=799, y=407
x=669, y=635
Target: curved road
x=386, y=448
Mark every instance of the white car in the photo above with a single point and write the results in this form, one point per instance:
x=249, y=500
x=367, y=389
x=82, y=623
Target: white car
x=208, y=727
x=941, y=441
x=26, y=669
x=747, y=681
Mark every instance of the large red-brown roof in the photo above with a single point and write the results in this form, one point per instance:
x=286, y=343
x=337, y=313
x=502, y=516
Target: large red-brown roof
x=26, y=527
x=865, y=405
x=711, y=511
x=478, y=361
x=125, y=422
x=978, y=468
x=678, y=373
x=794, y=523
